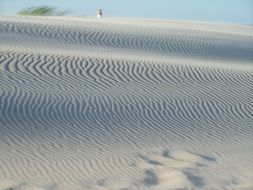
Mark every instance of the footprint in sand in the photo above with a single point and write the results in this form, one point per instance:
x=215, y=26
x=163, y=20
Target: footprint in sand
x=174, y=169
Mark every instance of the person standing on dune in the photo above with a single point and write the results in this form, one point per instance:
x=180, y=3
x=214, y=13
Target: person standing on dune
x=99, y=13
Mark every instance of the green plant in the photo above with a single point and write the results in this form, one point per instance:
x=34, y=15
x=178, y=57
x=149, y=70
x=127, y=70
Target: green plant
x=41, y=11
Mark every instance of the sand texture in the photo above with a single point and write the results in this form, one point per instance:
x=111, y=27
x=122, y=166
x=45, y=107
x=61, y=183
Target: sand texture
x=125, y=104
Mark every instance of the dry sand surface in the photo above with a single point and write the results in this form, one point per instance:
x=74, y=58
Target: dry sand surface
x=125, y=104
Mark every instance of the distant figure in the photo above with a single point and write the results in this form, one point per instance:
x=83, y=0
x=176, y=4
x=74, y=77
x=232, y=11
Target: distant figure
x=99, y=13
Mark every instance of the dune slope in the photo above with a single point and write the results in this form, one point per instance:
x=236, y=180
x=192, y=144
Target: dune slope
x=125, y=104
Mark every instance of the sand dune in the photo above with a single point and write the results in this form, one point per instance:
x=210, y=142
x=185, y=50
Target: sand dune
x=125, y=104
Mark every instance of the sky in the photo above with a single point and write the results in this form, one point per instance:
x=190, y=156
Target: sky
x=229, y=11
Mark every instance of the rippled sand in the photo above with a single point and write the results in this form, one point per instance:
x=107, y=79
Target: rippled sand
x=125, y=104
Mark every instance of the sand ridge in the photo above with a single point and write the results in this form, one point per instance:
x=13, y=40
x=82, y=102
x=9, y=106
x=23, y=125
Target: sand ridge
x=87, y=104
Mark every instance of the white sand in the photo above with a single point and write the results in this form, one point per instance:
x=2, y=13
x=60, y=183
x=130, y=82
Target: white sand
x=125, y=104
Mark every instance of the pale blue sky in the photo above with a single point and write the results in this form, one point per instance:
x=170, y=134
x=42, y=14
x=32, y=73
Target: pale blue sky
x=232, y=11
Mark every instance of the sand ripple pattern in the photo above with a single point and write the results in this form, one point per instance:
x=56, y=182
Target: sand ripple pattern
x=83, y=121
x=127, y=38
